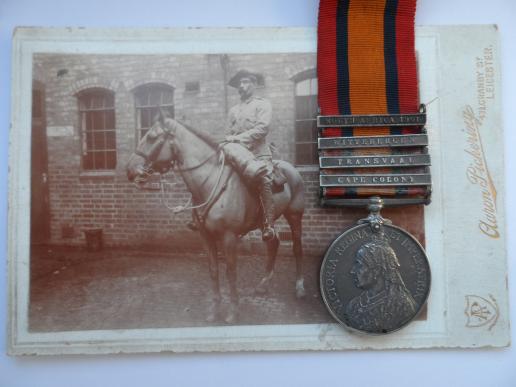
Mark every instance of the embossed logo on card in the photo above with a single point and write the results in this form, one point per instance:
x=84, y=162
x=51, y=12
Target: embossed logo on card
x=481, y=312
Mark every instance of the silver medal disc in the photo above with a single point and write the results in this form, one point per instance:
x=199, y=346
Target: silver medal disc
x=375, y=277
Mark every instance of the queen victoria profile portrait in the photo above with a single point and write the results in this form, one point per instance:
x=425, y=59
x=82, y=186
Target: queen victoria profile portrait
x=385, y=302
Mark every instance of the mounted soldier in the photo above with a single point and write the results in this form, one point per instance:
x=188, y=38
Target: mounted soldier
x=248, y=125
x=225, y=204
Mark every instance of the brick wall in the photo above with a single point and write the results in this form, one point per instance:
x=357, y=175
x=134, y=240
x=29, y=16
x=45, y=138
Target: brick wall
x=81, y=200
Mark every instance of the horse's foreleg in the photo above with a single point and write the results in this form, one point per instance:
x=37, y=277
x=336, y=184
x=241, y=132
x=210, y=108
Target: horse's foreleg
x=214, y=303
x=294, y=220
x=272, y=252
x=230, y=246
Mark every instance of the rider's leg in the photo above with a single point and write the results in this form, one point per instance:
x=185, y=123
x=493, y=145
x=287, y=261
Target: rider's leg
x=268, y=207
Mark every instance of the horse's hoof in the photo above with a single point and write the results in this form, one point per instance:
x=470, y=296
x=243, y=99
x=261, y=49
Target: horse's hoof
x=232, y=314
x=230, y=318
x=263, y=286
x=212, y=317
x=300, y=288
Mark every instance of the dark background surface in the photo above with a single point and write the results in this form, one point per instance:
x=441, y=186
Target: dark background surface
x=400, y=368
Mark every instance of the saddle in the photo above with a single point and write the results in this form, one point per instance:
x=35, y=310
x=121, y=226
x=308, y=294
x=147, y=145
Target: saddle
x=252, y=169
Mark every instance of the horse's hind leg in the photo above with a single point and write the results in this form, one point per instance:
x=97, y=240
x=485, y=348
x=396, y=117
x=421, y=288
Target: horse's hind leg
x=272, y=252
x=214, y=304
x=294, y=221
x=230, y=246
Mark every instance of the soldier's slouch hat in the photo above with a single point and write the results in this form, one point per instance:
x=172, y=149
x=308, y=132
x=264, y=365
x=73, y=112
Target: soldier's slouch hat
x=235, y=79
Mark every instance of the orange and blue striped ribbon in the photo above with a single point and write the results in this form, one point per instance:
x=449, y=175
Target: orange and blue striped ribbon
x=367, y=65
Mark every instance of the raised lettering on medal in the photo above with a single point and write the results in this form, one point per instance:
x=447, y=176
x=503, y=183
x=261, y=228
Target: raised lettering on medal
x=374, y=180
x=374, y=161
x=407, y=140
x=417, y=119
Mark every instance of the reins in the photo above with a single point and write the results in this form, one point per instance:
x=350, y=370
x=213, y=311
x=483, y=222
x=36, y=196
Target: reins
x=177, y=169
x=212, y=194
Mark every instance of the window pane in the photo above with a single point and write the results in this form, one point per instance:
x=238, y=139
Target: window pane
x=97, y=120
x=303, y=88
x=145, y=118
x=86, y=120
x=89, y=140
x=306, y=131
x=111, y=160
x=155, y=98
x=110, y=119
x=110, y=140
x=99, y=142
x=97, y=102
x=99, y=160
x=302, y=108
x=306, y=107
x=154, y=114
x=139, y=99
x=87, y=161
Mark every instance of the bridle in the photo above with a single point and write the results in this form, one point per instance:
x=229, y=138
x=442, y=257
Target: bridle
x=150, y=159
x=155, y=150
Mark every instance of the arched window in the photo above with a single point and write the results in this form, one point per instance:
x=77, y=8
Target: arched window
x=98, y=132
x=306, y=113
x=149, y=98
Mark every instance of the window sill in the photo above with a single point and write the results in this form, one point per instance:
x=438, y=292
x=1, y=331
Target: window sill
x=97, y=175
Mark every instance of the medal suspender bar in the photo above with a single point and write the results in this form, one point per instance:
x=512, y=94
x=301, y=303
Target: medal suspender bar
x=372, y=152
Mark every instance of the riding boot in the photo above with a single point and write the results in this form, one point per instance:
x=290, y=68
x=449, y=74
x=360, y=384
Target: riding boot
x=268, y=209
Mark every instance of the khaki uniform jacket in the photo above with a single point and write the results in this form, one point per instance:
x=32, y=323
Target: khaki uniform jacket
x=249, y=121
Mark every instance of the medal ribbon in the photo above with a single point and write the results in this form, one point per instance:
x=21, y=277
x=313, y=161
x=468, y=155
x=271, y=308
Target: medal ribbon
x=366, y=64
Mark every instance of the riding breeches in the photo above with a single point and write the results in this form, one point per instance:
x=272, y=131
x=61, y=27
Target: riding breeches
x=266, y=192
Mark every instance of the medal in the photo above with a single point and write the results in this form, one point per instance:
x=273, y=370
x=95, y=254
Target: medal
x=375, y=277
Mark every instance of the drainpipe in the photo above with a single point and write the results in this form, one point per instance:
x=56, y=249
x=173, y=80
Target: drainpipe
x=224, y=64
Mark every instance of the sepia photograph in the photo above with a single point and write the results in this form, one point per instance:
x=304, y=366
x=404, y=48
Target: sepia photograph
x=176, y=191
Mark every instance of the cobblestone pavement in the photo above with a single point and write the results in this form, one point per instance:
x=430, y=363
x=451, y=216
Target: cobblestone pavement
x=72, y=289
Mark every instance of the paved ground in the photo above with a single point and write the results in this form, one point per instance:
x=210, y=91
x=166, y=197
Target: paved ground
x=72, y=289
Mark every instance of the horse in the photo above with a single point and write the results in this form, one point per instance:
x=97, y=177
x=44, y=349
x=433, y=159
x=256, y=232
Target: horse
x=224, y=205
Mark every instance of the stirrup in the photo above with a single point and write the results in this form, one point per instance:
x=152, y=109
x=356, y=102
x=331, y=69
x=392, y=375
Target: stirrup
x=268, y=233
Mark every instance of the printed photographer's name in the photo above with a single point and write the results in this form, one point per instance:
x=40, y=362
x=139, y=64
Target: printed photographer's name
x=478, y=174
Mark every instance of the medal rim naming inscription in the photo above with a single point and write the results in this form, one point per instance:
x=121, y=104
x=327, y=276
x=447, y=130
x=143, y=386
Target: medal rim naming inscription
x=337, y=113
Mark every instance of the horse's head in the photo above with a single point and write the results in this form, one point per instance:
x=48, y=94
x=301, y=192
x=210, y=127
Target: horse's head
x=155, y=152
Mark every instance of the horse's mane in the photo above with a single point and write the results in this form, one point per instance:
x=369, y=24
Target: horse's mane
x=206, y=137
